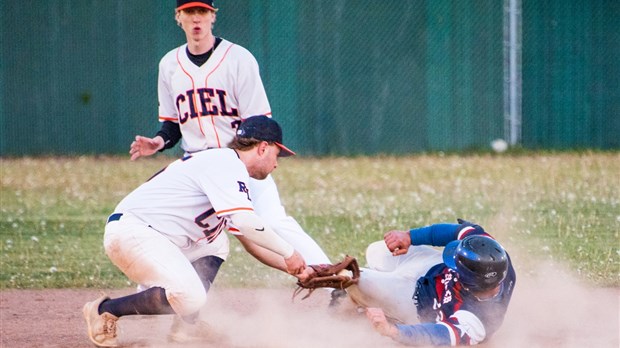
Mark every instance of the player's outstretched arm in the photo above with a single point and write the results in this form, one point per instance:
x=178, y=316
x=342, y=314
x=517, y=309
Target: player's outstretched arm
x=295, y=264
x=255, y=230
x=268, y=257
x=379, y=322
x=263, y=255
x=143, y=146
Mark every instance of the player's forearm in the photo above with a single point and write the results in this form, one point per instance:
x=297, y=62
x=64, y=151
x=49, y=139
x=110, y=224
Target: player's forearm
x=253, y=228
x=437, y=234
x=263, y=255
x=170, y=132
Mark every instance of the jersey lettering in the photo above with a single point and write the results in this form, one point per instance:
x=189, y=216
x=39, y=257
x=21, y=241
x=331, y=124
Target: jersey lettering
x=436, y=307
x=182, y=116
x=243, y=188
x=205, y=100
x=206, y=107
x=225, y=112
x=447, y=295
x=192, y=106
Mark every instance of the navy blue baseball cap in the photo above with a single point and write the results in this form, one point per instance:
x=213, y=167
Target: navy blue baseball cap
x=264, y=128
x=183, y=4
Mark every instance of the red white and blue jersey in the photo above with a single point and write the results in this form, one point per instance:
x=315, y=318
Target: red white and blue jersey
x=448, y=312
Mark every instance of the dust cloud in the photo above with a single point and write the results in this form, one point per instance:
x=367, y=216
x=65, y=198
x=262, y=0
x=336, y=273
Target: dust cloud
x=550, y=308
x=269, y=318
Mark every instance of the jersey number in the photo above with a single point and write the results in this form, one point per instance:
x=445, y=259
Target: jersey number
x=211, y=224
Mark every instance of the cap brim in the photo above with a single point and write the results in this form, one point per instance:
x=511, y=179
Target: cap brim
x=196, y=4
x=449, y=253
x=285, y=151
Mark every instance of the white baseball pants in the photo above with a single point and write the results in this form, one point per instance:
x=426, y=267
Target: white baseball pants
x=389, y=281
x=148, y=257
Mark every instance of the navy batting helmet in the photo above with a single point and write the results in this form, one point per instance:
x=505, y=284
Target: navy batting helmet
x=480, y=261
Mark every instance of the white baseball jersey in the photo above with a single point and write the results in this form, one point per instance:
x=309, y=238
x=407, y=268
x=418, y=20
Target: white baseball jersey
x=209, y=101
x=192, y=196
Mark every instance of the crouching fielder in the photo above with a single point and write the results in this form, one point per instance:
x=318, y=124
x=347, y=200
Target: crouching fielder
x=420, y=296
x=160, y=228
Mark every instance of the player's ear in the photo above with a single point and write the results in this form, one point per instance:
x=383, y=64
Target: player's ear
x=262, y=147
x=177, y=16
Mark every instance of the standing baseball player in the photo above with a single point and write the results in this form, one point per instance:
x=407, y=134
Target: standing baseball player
x=181, y=213
x=206, y=88
x=455, y=297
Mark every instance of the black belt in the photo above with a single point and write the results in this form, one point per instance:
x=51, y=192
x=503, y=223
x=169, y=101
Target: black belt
x=115, y=217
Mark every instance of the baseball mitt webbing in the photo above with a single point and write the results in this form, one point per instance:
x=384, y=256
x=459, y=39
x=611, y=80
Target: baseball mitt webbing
x=328, y=276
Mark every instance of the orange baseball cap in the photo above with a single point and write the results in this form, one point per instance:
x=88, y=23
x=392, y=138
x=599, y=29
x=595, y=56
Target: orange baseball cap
x=183, y=4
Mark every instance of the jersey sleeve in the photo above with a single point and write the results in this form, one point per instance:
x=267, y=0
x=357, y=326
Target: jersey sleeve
x=436, y=235
x=461, y=329
x=171, y=133
x=167, y=108
x=249, y=89
x=425, y=334
x=226, y=184
x=444, y=233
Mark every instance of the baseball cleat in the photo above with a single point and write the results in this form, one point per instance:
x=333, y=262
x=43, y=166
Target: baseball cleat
x=101, y=327
x=184, y=332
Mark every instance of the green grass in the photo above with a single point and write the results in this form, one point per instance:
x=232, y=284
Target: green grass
x=563, y=208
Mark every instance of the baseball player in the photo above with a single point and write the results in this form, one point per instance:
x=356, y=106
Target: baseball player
x=455, y=297
x=181, y=213
x=206, y=88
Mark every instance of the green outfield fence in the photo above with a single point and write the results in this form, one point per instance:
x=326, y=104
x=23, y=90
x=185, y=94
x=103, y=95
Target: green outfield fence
x=343, y=77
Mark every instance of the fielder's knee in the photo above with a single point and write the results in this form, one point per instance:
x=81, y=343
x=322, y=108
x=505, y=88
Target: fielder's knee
x=187, y=299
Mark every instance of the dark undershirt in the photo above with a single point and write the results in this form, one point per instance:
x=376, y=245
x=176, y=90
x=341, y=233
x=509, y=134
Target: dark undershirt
x=170, y=131
x=200, y=59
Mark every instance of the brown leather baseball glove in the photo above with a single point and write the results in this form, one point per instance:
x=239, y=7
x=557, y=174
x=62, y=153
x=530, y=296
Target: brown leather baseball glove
x=330, y=276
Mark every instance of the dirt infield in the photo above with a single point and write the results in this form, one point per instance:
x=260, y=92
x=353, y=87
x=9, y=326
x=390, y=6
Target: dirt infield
x=243, y=317
x=549, y=312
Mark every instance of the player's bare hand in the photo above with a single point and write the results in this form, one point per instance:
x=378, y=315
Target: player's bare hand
x=143, y=146
x=379, y=322
x=397, y=242
x=295, y=264
x=303, y=276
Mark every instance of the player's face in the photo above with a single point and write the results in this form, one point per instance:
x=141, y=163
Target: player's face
x=197, y=22
x=267, y=163
x=488, y=294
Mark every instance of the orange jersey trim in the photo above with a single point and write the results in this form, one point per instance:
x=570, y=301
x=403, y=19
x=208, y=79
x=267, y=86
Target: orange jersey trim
x=233, y=210
x=217, y=136
x=193, y=87
x=168, y=118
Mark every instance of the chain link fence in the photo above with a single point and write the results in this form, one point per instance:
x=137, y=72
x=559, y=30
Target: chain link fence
x=344, y=77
